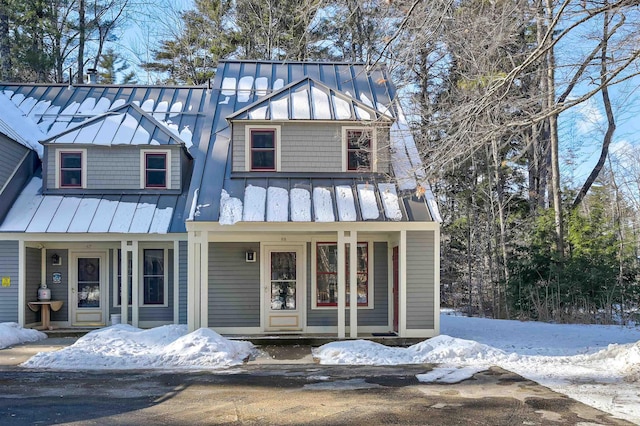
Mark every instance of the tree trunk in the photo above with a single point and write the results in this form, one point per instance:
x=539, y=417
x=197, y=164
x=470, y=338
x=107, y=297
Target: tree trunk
x=81, y=41
x=5, y=42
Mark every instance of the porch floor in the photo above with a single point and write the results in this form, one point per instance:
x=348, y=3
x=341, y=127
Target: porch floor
x=272, y=339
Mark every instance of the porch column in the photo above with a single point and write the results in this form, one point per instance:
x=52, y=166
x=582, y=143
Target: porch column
x=125, y=252
x=342, y=305
x=22, y=282
x=193, y=282
x=402, y=278
x=176, y=282
x=204, y=279
x=353, y=284
x=135, y=283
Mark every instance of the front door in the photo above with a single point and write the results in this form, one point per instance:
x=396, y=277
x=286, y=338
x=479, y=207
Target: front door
x=284, y=288
x=88, y=288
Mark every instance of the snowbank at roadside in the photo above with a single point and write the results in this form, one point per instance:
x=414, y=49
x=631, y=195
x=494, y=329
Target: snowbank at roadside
x=12, y=334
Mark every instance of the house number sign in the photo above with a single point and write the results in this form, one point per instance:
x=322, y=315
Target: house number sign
x=57, y=277
x=6, y=281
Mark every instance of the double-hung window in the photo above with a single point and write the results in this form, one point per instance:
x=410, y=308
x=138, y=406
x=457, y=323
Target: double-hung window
x=263, y=149
x=155, y=170
x=359, y=149
x=71, y=169
x=153, y=277
x=327, y=274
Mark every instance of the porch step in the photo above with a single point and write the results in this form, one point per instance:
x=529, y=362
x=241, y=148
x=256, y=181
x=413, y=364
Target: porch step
x=67, y=332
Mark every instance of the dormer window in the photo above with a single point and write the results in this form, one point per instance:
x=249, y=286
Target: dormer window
x=156, y=169
x=359, y=149
x=71, y=168
x=263, y=146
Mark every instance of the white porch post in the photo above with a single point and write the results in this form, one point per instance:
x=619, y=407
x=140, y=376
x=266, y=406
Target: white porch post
x=124, y=280
x=176, y=282
x=342, y=305
x=204, y=279
x=193, y=281
x=135, y=283
x=402, y=278
x=22, y=282
x=353, y=284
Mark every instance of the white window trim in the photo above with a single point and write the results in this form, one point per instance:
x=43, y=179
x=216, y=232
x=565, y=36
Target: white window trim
x=115, y=280
x=143, y=154
x=374, y=147
x=247, y=144
x=141, y=249
x=314, y=287
x=58, y=163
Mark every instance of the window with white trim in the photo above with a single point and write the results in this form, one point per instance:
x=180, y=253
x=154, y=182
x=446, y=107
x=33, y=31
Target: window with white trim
x=71, y=168
x=154, y=277
x=155, y=169
x=326, y=274
x=359, y=148
x=262, y=148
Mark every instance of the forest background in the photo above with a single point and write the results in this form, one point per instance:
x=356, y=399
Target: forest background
x=525, y=113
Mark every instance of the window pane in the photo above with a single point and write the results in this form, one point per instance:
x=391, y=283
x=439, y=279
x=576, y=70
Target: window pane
x=327, y=277
x=72, y=160
x=262, y=139
x=327, y=289
x=283, y=296
x=156, y=178
x=153, y=290
x=327, y=257
x=71, y=177
x=283, y=266
x=154, y=262
x=263, y=160
x=156, y=161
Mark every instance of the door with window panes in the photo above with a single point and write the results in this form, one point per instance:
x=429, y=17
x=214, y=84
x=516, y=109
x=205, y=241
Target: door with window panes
x=284, y=288
x=88, y=278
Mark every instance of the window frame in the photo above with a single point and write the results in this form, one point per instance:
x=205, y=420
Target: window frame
x=165, y=277
x=345, y=148
x=248, y=150
x=83, y=168
x=314, y=275
x=143, y=168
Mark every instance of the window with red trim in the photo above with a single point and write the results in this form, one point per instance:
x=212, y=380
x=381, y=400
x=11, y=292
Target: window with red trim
x=71, y=169
x=155, y=170
x=327, y=274
x=263, y=149
x=358, y=150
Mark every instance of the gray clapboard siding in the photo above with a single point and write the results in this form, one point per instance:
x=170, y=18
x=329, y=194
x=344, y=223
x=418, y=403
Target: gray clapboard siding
x=308, y=147
x=234, y=286
x=116, y=167
x=12, y=154
x=420, y=280
x=32, y=281
x=366, y=317
x=182, y=285
x=9, y=268
x=59, y=291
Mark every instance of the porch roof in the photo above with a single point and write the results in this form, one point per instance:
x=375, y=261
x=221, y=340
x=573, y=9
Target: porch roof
x=34, y=212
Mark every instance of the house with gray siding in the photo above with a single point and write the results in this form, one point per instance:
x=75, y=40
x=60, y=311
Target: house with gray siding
x=284, y=198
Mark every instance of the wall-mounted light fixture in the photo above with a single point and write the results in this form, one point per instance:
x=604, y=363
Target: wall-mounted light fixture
x=250, y=256
x=56, y=260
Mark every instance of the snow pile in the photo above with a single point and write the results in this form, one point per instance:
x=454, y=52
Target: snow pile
x=230, y=209
x=594, y=364
x=122, y=347
x=12, y=334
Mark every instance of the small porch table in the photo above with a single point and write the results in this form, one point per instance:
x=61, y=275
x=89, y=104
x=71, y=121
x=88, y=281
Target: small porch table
x=47, y=307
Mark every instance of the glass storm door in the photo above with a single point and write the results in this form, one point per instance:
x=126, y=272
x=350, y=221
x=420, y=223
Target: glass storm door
x=88, y=289
x=283, y=289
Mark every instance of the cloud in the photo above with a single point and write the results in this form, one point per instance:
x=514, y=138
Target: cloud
x=588, y=117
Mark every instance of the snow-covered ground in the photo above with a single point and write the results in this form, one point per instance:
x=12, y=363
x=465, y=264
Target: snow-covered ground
x=12, y=334
x=121, y=347
x=597, y=365
x=594, y=364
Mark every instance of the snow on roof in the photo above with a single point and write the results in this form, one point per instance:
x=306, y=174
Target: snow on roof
x=323, y=204
x=17, y=126
x=306, y=99
x=125, y=125
x=134, y=214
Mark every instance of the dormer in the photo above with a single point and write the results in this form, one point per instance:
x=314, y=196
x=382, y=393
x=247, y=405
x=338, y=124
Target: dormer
x=125, y=150
x=308, y=127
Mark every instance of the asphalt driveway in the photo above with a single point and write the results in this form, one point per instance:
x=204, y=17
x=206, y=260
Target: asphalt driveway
x=284, y=386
